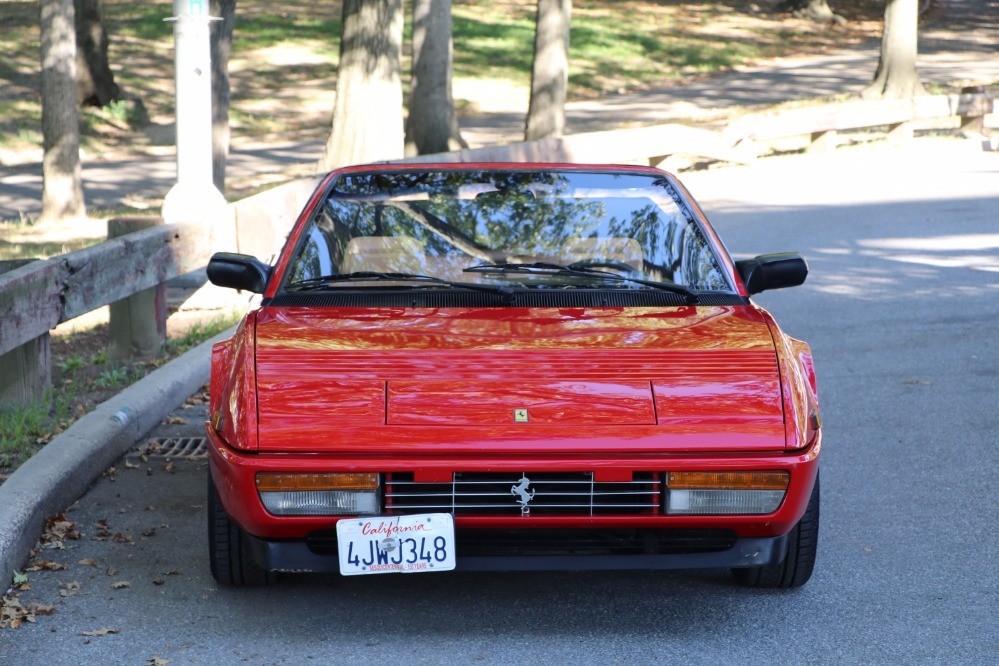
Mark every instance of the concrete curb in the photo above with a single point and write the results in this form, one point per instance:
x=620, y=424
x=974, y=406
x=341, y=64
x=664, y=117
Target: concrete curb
x=65, y=468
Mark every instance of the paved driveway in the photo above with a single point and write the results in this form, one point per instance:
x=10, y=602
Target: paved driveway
x=901, y=311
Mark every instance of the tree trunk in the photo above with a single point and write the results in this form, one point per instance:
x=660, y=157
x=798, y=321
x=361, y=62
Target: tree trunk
x=221, y=40
x=896, y=76
x=95, y=85
x=62, y=190
x=367, y=115
x=432, y=124
x=550, y=73
x=814, y=10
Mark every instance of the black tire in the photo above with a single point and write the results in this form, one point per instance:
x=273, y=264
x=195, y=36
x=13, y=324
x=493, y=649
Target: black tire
x=797, y=567
x=230, y=562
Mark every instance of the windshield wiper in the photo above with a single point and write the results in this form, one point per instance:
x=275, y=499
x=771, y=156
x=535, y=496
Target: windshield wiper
x=547, y=268
x=368, y=276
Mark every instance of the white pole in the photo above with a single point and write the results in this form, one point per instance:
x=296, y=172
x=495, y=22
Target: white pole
x=194, y=197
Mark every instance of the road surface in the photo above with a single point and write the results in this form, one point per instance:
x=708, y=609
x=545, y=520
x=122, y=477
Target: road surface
x=900, y=309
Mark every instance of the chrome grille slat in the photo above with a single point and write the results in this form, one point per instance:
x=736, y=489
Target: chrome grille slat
x=595, y=493
x=489, y=494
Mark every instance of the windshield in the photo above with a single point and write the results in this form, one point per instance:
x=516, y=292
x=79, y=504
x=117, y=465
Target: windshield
x=521, y=229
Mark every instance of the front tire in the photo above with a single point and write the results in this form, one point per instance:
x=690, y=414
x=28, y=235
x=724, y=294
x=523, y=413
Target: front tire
x=230, y=562
x=797, y=566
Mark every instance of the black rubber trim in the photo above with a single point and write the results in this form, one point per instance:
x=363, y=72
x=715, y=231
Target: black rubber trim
x=552, y=298
x=297, y=557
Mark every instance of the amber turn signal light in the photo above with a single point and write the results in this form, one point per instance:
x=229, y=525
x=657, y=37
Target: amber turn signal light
x=275, y=481
x=728, y=480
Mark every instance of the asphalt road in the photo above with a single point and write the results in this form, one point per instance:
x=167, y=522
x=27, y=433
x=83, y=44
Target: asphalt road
x=900, y=309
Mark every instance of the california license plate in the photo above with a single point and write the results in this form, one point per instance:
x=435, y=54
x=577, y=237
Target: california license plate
x=396, y=544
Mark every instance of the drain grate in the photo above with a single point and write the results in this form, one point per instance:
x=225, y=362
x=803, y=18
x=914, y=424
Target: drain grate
x=175, y=447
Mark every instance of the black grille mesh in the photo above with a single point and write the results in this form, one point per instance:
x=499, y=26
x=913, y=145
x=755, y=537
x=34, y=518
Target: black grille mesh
x=501, y=494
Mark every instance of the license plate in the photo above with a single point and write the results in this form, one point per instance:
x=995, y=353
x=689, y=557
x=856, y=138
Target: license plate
x=396, y=544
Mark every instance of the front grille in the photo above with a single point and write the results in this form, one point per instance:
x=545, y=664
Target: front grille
x=504, y=494
x=473, y=542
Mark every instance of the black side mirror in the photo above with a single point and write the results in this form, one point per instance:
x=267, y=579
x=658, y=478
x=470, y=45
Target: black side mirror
x=238, y=271
x=772, y=271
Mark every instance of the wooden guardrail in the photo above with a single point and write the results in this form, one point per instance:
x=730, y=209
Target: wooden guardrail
x=35, y=298
x=741, y=141
x=822, y=123
x=38, y=296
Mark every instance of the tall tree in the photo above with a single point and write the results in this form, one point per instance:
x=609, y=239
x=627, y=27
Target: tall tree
x=62, y=188
x=367, y=115
x=896, y=76
x=432, y=123
x=95, y=84
x=550, y=72
x=221, y=40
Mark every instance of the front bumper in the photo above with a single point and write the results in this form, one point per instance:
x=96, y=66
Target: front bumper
x=234, y=475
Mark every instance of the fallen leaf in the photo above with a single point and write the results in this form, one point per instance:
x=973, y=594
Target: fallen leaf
x=57, y=528
x=87, y=562
x=175, y=420
x=99, y=632
x=157, y=661
x=40, y=609
x=70, y=589
x=103, y=529
x=19, y=578
x=121, y=584
x=158, y=581
x=122, y=538
x=168, y=467
x=112, y=571
x=46, y=565
x=130, y=465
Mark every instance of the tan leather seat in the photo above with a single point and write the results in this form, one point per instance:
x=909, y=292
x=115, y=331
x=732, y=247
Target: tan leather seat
x=384, y=254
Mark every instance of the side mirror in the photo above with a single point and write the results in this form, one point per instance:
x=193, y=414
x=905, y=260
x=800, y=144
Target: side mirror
x=238, y=271
x=772, y=271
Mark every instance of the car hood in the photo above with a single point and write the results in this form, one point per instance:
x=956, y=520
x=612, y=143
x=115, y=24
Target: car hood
x=505, y=379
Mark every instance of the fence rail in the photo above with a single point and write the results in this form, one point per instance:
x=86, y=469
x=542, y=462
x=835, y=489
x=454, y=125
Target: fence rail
x=36, y=297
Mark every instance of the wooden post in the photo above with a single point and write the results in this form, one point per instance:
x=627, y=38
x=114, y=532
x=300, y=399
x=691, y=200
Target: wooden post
x=899, y=133
x=974, y=122
x=138, y=322
x=26, y=370
x=823, y=142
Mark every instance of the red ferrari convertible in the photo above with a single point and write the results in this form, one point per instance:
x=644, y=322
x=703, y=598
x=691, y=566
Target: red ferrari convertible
x=513, y=367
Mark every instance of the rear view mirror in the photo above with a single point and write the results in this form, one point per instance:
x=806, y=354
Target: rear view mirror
x=238, y=271
x=772, y=271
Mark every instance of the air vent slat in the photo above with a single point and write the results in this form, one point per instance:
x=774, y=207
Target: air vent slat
x=551, y=298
